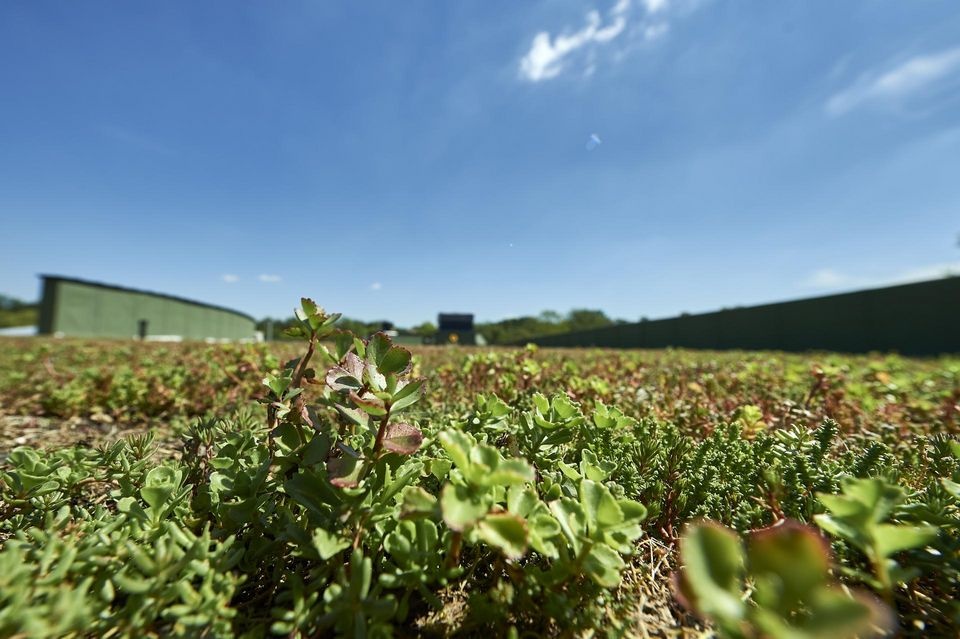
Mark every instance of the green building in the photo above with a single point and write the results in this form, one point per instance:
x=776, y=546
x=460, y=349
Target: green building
x=76, y=308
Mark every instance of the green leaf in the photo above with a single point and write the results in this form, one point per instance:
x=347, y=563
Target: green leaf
x=863, y=500
x=158, y=485
x=277, y=383
x=521, y=500
x=377, y=347
x=569, y=471
x=308, y=306
x=511, y=471
x=541, y=403
x=593, y=468
x=506, y=532
x=890, y=538
x=312, y=491
x=295, y=331
x=840, y=528
x=711, y=580
x=343, y=342
x=543, y=528
x=599, y=506
x=317, y=449
x=955, y=448
x=457, y=446
x=398, y=543
x=951, y=487
x=633, y=512
x=603, y=565
x=572, y=521
x=564, y=407
x=788, y=561
x=461, y=507
x=395, y=361
x=416, y=502
x=836, y=615
x=374, y=379
x=408, y=394
x=328, y=544
x=439, y=468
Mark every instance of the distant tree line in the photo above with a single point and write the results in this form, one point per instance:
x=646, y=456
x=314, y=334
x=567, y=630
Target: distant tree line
x=507, y=331
x=16, y=312
x=358, y=327
x=519, y=329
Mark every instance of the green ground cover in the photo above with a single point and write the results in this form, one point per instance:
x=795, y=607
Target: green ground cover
x=333, y=486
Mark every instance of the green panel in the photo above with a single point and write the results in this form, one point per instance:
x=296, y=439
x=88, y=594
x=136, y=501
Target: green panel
x=914, y=319
x=91, y=310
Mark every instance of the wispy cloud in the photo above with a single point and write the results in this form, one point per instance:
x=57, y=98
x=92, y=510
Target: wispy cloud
x=550, y=55
x=653, y=6
x=270, y=279
x=230, y=278
x=892, y=85
x=825, y=278
x=828, y=278
x=376, y=286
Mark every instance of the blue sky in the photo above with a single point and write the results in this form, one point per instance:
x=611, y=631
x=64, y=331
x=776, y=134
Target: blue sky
x=399, y=159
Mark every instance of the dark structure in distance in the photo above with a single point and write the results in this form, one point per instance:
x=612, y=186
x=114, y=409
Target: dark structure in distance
x=911, y=319
x=455, y=328
x=71, y=307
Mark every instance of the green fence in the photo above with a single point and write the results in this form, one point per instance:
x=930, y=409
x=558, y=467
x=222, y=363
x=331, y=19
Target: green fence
x=912, y=319
x=75, y=308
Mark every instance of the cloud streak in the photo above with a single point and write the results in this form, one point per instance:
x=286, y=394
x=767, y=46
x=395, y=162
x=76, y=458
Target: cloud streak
x=270, y=279
x=550, y=55
x=230, y=278
x=910, y=77
x=828, y=278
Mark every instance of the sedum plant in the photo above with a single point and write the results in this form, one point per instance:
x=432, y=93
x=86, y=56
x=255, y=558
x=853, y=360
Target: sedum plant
x=777, y=585
x=349, y=503
x=598, y=529
x=859, y=515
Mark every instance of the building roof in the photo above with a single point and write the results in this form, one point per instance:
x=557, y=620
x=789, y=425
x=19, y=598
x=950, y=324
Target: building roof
x=112, y=287
x=455, y=321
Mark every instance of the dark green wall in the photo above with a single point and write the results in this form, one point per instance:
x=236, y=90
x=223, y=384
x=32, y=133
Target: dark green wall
x=913, y=319
x=79, y=309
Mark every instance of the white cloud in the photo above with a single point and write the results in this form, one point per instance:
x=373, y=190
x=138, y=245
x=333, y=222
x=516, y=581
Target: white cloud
x=229, y=278
x=548, y=55
x=653, y=6
x=828, y=278
x=929, y=272
x=905, y=79
x=270, y=279
x=376, y=286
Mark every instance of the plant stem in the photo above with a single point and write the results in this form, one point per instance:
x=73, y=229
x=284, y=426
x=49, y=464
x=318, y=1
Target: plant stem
x=453, y=558
x=883, y=576
x=381, y=432
x=302, y=364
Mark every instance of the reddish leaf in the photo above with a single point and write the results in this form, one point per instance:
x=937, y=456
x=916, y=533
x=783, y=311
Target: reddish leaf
x=343, y=472
x=402, y=438
x=347, y=376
